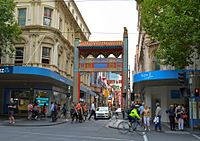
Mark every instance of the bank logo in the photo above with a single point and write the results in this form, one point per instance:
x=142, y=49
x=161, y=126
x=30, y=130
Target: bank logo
x=147, y=75
x=6, y=69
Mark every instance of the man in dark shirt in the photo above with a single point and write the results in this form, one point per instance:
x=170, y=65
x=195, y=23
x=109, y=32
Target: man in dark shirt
x=11, y=110
x=171, y=114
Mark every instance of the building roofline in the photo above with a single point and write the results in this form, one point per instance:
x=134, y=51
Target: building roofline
x=75, y=6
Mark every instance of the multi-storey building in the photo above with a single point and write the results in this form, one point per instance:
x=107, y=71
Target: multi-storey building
x=153, y=82
x=42, y=68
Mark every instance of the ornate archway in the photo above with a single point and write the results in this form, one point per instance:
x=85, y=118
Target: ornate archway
x=115, y=64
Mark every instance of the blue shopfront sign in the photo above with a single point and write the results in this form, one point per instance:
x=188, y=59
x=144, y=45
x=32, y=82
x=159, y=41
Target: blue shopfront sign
x=26, y=70
x=155, y=75
x=6, y=70
x=159, y=75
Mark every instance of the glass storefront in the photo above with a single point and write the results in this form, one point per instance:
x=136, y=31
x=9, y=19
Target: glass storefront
x=60, y=98
x=42, y=96
x=22, y=97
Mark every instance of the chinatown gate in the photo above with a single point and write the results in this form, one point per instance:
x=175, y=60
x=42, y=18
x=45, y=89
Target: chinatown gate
x=117, y=64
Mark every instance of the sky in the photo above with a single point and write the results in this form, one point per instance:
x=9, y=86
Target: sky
x=106, y=20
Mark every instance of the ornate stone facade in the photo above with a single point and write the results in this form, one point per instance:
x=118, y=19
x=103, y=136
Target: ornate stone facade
x=49, y=28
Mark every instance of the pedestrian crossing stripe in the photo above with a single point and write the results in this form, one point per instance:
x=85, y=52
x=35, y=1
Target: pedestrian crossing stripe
x=177, y=132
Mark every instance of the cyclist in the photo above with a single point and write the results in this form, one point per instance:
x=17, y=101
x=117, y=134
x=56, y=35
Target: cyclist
x=133, y=115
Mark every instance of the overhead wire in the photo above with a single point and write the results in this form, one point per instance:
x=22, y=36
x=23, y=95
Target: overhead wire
x=76, y=1
x=71, y=32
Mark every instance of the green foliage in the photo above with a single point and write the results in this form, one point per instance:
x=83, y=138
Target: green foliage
x=176, y=25
x=9, y=29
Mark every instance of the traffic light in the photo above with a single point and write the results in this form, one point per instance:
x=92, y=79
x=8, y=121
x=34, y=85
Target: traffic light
x=132, y=96
x=181, y=78
x=196, y=92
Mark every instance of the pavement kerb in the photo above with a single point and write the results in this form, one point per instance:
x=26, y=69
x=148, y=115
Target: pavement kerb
x=5, y=123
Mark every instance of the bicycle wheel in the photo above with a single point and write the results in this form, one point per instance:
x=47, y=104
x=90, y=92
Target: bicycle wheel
x=123, y=127
x=114, y=118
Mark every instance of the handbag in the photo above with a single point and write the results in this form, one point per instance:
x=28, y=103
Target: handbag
x=184, y=116
x=156, y=119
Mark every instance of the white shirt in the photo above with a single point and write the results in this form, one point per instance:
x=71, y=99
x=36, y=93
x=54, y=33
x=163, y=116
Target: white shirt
x=93, y=107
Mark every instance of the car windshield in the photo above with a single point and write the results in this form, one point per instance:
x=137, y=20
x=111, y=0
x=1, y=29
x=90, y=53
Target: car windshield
x=102, y=109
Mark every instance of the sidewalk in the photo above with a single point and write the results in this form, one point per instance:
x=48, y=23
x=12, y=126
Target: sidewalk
x=33, y=123
x=186, y=129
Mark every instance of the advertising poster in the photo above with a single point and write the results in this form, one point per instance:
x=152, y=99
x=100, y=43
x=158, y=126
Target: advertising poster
x=42, y=100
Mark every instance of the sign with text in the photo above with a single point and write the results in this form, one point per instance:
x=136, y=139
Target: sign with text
x=101, y=65
x=42, y=100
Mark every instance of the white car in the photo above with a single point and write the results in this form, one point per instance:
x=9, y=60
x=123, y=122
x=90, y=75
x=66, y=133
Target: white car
x=102, y=112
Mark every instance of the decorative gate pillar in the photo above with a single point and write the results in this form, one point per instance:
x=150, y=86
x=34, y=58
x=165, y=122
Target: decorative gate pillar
x=125, y=86
x=76, y=80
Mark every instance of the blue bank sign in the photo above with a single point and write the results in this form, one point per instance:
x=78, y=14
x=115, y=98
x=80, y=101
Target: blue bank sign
x=6, y=69
x=155, y=75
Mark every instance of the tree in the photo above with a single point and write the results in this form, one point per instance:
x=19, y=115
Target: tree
x=176, y=25
x=9, y=29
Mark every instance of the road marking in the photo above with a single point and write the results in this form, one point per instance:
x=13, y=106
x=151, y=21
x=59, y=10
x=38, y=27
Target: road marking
x=145, y=137
x=177, y=132
x=81, y=137
x=85, y=139
x=196, y=136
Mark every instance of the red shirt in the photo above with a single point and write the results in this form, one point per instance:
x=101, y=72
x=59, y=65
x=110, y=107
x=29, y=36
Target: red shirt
x=78, y=106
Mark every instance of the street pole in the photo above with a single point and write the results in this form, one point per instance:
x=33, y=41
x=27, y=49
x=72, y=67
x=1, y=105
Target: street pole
x=76, y=81
x=125, y=69
x=191, y=102
x=192, y=83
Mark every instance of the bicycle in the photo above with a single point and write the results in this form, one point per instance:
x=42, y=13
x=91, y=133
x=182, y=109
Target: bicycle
x=114, y=117
x=135, y=126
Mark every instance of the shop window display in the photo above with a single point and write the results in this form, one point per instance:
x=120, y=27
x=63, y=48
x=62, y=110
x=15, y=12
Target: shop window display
x=21, y=98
